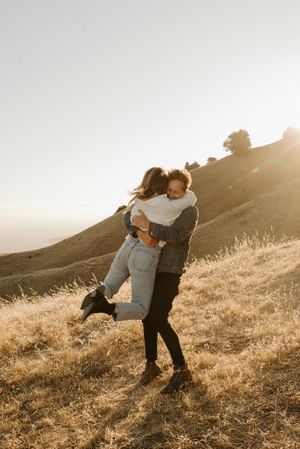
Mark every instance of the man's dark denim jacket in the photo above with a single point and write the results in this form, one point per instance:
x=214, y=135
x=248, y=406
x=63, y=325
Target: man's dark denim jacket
x=175, y=253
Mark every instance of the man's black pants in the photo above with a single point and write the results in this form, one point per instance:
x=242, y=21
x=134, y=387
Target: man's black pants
x=156, y=322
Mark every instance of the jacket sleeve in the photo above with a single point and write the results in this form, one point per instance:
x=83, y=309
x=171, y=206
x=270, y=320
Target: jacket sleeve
x=180, y=230
x=130, y=228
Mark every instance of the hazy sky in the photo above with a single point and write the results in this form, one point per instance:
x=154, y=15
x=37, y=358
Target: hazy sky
x=95, y=92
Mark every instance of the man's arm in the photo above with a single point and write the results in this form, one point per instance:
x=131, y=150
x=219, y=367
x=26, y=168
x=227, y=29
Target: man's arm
x=180, y=230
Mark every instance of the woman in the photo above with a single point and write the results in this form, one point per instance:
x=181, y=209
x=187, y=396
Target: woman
x=135, y=258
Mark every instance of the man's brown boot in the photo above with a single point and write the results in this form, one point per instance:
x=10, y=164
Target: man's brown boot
x=180, y=379
x=151, y=371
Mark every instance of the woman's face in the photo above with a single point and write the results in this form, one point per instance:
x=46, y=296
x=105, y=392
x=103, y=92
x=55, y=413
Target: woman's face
x=175, y=189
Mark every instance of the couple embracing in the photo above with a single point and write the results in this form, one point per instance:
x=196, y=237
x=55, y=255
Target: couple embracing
x=160, y=220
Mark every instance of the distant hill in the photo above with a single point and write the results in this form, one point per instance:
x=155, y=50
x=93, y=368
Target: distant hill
x=58, y=239
x=236, y=195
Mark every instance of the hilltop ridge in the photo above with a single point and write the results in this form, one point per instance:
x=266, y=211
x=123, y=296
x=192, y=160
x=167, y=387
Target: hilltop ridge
x=260, y=184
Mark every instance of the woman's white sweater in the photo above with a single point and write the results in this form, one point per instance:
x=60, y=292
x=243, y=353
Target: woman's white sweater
x=161, y=209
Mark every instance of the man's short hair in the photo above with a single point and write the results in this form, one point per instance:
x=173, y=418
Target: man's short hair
x=181, y=175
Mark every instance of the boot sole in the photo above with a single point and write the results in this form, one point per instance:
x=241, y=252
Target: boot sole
x=91, y=299
x=86, y=302
x=87, y=312
x=149, y=381
x=181, y=388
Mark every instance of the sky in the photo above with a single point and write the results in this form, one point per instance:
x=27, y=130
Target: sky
x=95, y=92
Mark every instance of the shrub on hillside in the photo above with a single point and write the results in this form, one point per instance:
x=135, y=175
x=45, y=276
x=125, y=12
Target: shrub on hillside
x=211, y=159
x=120, y=208
x=238, y=142
x=192, y=166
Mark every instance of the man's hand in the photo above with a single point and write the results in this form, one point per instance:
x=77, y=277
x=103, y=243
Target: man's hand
x=141, y=221
x=146, y=238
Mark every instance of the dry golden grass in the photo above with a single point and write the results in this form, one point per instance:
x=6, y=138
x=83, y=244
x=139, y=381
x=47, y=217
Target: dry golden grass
x=69, y=385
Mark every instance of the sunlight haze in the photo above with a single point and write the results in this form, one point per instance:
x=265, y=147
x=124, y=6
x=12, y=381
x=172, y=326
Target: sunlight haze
x=95, y=92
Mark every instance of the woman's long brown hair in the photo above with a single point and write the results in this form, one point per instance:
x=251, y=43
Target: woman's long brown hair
x=154, y=182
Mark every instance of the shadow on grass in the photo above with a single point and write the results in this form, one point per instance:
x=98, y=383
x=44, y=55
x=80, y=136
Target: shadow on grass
x=268, y=417
x=156, y=411
x=141, y=418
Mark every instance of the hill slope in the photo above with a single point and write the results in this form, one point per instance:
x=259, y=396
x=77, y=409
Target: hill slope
x=276, y=212
x=67, y=385
x=221, y=187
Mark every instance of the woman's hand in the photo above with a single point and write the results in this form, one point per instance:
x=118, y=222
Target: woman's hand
x=141, y=221
x=146, y=238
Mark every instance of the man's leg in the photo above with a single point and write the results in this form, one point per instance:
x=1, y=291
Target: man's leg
x=150, y=340
x=165, y=290
x=152, y=370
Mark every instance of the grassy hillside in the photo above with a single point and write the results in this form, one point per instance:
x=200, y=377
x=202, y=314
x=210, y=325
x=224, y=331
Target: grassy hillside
x=232, y=181
x=222, y=187
x=66, y=384
x=102, y=238
x=276, y=212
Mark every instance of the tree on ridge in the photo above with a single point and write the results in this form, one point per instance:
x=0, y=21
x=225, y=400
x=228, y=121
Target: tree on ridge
x=192, y=166
x=238, y=142
x=211, y=159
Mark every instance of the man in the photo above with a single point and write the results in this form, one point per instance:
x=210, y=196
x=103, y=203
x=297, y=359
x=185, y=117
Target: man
x=170, y=268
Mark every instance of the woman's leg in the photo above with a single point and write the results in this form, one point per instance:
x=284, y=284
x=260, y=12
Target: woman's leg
x=142, y=264
x=118, y=272
x=96, y=301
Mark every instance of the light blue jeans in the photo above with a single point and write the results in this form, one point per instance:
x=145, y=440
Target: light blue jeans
x=139, y=261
